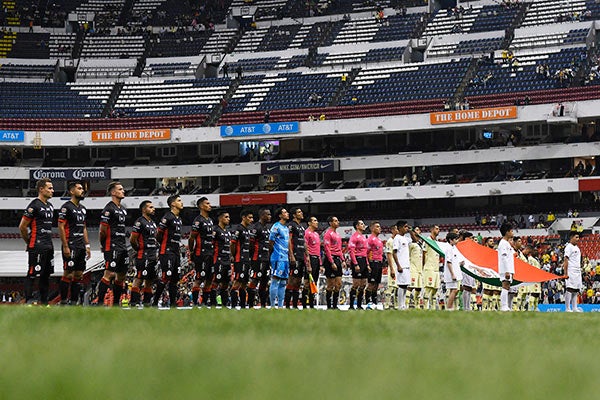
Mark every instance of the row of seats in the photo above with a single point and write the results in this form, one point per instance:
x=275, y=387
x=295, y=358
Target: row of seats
x=505, y=78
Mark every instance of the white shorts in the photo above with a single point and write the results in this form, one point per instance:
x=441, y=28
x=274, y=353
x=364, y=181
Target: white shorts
x=403, y=278
x=469, y=281
x=574, y=281
x=451, y=285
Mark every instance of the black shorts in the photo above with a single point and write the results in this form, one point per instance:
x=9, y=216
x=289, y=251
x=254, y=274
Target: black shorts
x=242, y=272
x=222, y=273
x=298, y=269
x=315, y=266
x=204, y=267
x=376, y=271
x=329, y=271
x=260, y=270
x=363, y=268
x=41, y=262
x=145, y=268
x=116, y=261
x=170, y=264
x=76, y=262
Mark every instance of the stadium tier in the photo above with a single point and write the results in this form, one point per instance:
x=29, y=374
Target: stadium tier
x=346, y=69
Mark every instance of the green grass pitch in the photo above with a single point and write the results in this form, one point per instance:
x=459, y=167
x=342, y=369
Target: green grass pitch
x=98, y=353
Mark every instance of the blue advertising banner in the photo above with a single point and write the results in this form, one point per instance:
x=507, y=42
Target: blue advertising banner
x=561, y=307
x=298, y=167
x=79, y=174
x=12, y=136
x=274, y=128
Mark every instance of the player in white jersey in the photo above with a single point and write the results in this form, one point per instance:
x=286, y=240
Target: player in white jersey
x=468, y=284
x=572, y=268
x=516, y=294
x=402, y=260
x=506, y=264
x=391, y=301
x=452, y=271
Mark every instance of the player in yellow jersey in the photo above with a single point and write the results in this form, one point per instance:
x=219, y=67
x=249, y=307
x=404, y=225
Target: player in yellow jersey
x=415, y=251
x=491, y=293
x=431, y=272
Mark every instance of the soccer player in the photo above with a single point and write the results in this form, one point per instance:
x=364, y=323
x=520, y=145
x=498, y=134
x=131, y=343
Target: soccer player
x=506, y=263
x=200, y=245
x=297, y=258
x=415, y=251
x=375, y=250
x=240, y=253
x=572, y=268
x=333, y=263
x=279, y=240
x=452, y=271
x=491, y=294
x=358, y=249
x=169, y=238
x=392, y=288
x=222, y=257
x=518, y=296
x=468, y=284
x=261, y=270
x=312, y=241
x=143, y=241
x=113, y=242
x=431, y=271
x=535, y=290
x=36, y=231
x=402, y=261
x=75, y=243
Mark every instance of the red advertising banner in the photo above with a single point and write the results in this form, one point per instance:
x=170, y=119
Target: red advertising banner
x=131, y=135
x=589, y=185
x=252, y=199
x=473, y=115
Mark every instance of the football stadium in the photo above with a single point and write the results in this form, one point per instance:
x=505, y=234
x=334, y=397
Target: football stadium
x=326, y=198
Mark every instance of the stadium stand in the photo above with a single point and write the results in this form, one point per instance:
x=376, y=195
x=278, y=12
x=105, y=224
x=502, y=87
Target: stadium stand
x=183, y=97
x=122, y=46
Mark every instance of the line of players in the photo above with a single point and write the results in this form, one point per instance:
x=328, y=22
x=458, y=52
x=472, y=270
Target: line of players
x=256, y=261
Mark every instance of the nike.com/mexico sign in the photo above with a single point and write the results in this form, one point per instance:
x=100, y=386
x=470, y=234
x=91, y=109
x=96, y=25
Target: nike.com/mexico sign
x=80, y=174
x=275, y=128
x=297, y=167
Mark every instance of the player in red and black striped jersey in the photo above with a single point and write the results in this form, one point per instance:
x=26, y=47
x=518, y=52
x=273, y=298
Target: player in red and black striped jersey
x=169, y=241
x=297, y=258
x=36, y=231
x=75, y=243
x=143, y=241
x=240, y=252
x=113, y=242
x=222, y=256
x=261, y=263
x=201, y=252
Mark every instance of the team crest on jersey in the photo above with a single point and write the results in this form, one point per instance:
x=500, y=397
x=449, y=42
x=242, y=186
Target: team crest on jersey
x=106, y=213
x=197, y=223
x=30, y=209
x=164, y=220
x=138, y=224
x=63, y=210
